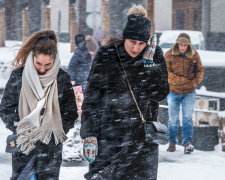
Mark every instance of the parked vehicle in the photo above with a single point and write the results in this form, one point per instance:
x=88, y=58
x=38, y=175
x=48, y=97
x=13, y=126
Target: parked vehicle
x=168, y=38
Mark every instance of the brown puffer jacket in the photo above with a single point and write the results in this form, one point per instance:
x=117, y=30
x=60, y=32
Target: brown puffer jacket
x=178, y=68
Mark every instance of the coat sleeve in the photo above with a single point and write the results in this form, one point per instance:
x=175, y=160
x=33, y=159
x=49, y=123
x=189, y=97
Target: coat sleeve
x=171, y=75
x=68, y=103
x=73, y=66
x=9, y=103
x=168, y=63
x=159, y=88
x=93, y=97
x=200, y=70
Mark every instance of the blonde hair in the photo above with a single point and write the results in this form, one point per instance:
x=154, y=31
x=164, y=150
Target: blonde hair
x=138, y=10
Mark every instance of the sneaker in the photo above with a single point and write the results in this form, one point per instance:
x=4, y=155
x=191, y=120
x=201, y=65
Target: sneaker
x=188, y=148
x=172, y=147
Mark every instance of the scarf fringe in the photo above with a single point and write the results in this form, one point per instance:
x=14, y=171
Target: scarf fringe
x=29, y=134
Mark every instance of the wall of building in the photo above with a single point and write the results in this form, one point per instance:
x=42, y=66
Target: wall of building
x=205, y=22
x=213, y=79
x=217, y=16
x=118, y=17
x=163, y=15
x=60, y=24
x=187, y=14
x=118, y=14
x=88, y=12
x=212, y=24
x=13, y=10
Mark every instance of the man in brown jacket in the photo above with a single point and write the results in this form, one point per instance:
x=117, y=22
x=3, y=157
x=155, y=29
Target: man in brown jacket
x=185, y=72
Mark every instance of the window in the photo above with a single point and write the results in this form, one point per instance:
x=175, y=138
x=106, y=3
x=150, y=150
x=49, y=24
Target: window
x=212, y=105
x=179, y=19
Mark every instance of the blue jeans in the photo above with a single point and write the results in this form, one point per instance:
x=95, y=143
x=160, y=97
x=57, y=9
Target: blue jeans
x=33, y=177
x=187, y=101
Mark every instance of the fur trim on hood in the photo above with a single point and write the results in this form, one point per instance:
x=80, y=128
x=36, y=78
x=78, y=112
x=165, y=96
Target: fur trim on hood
x=189, y=53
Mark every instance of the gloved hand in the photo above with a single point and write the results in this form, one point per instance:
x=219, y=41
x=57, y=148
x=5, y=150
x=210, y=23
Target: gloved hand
x=90, y=148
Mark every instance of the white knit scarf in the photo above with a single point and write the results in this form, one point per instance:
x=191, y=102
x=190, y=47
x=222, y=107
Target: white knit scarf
x=39, y=107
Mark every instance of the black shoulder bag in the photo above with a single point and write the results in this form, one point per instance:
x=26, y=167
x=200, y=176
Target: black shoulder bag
x=11, y=146
x=155, y=132
x=193, y=70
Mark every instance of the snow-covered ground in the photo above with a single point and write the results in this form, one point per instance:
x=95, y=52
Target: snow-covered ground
x=199, y=165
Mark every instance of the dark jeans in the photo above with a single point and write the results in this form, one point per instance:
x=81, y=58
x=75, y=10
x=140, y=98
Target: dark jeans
x=47, y=164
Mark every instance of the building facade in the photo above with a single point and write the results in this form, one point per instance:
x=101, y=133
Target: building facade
x=201, y=15
x=13, y=13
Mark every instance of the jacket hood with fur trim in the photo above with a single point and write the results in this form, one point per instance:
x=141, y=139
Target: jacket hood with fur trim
x=189, y=53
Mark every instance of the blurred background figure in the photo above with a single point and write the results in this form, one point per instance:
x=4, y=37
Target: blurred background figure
x=80, y=65
x=100, y=36
x=92, y=45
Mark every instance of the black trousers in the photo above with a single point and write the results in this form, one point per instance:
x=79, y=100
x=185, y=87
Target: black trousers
x=143, y=166
x=136, y=162
x=47, y=164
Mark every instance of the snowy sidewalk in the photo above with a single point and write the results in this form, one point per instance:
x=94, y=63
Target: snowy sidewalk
x=199, y=165
x=172, y=166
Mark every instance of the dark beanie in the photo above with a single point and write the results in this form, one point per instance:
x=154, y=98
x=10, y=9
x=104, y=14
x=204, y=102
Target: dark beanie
x=137, y=28
x=79, y=38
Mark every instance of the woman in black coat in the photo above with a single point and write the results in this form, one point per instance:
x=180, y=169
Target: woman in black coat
x=47, y=155
x=109, y=111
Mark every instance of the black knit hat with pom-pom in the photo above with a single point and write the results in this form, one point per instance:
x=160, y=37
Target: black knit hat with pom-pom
x=137, y=28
